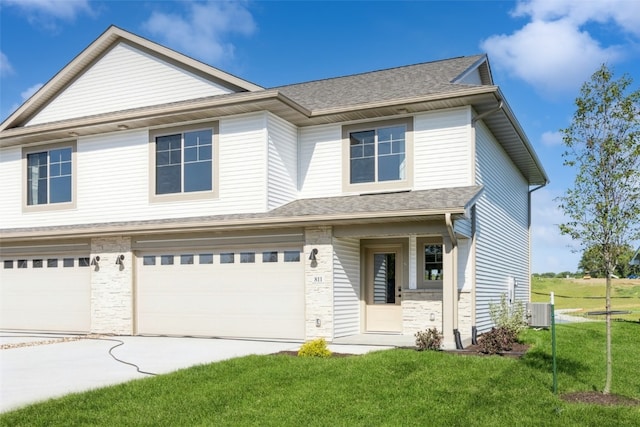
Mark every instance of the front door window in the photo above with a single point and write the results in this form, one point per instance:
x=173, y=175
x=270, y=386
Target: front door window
x=384, y=278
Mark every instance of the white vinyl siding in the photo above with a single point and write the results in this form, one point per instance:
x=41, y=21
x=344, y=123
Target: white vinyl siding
x=283, y=162
x=320, y=161
x=442, y=149
x=502, y=239
x=346, y=286
x=242, y=164
x=123, y=79
x=113, y=179
x=11, y=185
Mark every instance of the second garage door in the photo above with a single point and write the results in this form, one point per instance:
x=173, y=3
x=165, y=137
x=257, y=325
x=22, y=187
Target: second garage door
x=249, y=293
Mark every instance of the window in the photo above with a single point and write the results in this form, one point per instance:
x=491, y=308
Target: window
x=22, y=263
x=166, y=260
x=291, y=256
x=270, y=256
x=37, y=263
x=149, y=260
x=67, y=262
x=227, y=258
x=83, y=262
x=52, y=263
x=432, y=262
x=8, y=264
x=186, y=259
x=377, y=155
x=49, y=175
x=183, y=161
x=206, y=258
x=247, y=257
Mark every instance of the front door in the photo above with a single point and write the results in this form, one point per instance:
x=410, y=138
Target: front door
x=383, y=289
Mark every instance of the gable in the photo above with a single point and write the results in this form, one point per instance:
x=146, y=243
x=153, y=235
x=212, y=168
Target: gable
x=125, y=78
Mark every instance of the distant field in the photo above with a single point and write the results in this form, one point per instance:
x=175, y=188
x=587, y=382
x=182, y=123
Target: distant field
x=588, y=295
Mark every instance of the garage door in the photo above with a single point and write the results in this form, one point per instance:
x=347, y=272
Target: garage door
x=45, y=293
x=251, y=293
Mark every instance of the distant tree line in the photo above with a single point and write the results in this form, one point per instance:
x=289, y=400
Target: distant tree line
x=591, y=263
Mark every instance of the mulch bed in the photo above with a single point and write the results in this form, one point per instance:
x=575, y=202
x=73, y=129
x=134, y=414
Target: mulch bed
x=597, y=398
x=517, y=351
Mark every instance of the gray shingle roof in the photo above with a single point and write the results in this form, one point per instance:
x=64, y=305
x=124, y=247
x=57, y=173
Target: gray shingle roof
x=378, y=86
x=385, y=205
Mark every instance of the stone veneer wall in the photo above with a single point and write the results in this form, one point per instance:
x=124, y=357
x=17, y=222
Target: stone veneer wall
x=465, y=323
x=417, y=307
x=112, y=287
x=319, y=283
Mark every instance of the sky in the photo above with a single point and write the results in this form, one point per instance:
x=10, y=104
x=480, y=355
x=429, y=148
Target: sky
x=540, y=53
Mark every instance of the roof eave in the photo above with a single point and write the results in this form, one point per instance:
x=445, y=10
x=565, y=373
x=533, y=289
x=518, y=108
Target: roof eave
x=260, y=222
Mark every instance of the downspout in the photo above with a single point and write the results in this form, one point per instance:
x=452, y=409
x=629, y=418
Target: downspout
x=454, y=242
x=487, y=113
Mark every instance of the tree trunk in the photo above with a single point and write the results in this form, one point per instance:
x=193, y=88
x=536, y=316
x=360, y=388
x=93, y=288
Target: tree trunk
x=607, y=384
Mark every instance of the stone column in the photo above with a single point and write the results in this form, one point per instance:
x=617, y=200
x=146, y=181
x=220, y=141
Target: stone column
x=112, y=286
x=318, y=276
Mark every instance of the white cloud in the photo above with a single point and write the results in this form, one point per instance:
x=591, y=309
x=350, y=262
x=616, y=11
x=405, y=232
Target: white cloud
x=623, y=13
x=551, y=139
x=202, y=31
x=46, y=12
x=5, y=66
x=554, y=52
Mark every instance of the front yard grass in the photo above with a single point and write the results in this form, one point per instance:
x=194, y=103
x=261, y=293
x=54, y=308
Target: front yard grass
x=393, y=387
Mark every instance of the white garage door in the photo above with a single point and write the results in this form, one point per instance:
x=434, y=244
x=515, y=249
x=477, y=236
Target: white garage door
x=227, y=293
x=45, y=293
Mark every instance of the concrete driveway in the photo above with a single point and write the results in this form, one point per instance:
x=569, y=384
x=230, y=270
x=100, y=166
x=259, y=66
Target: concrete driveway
x=44, y=367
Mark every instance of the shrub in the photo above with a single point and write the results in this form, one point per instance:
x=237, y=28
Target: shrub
x=431, y=339
x=315, y=348
x=497, y=340
x=511, y=318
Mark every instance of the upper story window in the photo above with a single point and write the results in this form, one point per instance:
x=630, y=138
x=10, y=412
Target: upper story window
x=183, y=161
x=377, y=156
x=49, y=176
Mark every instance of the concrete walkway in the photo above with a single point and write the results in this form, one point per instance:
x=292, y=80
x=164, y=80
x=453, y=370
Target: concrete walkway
x=563, y=316
x=39, y=367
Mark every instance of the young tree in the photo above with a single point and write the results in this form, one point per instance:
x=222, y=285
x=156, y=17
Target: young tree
x=603, y=145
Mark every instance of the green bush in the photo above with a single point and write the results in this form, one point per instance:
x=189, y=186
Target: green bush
x=497, y=340
x=315, y=348
x=504, y=316
x=431, y=339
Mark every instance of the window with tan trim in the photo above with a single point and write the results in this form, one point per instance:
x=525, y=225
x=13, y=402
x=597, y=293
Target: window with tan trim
x=49, y=173
x=378, y=156
x=430, y=263
x=183, y=162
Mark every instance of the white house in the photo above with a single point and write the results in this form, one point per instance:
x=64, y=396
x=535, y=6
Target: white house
x=144, y=192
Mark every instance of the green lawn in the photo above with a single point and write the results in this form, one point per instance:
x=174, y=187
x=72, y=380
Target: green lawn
x=393, y=387
x=588, y=295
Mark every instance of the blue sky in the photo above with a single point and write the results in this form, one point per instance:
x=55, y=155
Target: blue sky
x=540, y=53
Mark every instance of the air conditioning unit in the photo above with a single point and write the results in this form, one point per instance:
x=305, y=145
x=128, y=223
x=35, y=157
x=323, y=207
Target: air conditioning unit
x=539, y=314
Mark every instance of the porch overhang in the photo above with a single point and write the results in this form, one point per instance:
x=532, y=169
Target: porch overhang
x=370, y=208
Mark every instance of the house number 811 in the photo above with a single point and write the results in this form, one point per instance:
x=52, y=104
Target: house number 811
x=317, y=279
